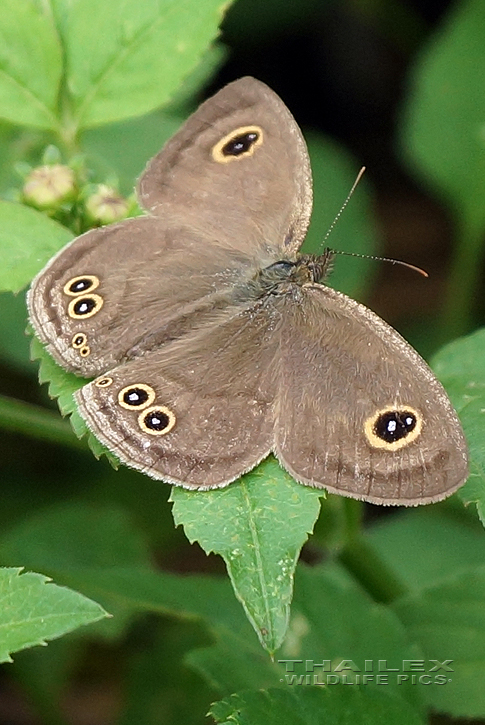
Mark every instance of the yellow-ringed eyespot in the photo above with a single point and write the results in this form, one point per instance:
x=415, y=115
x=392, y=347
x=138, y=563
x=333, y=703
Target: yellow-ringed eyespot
x=157, y=420
x=79, y=340
x=86, y=306
x=239, y=143
x=393, y=427
x=78, y=285
x=103, y=382
x=138, y=395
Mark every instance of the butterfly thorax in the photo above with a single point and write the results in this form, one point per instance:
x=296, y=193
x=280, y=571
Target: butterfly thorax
x=279, y=276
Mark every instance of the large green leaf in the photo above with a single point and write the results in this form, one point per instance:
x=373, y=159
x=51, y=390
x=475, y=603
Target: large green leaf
x=337, y=633
x=28, y=239
x=448, y=622
x=442, y=131
x=461, y=367
x=258, y=525
x=30, y=64
x=135, y=55
x=337, y=705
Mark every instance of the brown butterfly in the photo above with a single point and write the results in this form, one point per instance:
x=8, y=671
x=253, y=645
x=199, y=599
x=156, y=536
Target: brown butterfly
x=215, y=342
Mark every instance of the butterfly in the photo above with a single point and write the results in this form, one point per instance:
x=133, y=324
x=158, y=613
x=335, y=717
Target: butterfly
x=213, y=341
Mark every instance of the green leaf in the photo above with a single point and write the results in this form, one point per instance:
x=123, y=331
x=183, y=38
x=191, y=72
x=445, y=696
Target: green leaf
x=127, y=589
x=337, y=705
x=34, y=611
x=443, y=126
x=334, y=172
x=75, y=542
x=28, y=239
x=62, y=386
x=437, y=544
x=333, y=619
x=133, y=58
x=461, y=368
x=448, y=623
x=139, y=139
x=30, y=64
x=98, y=550
x=258, y=525
x=142, y=138
x=184, y=100
x=443, y=139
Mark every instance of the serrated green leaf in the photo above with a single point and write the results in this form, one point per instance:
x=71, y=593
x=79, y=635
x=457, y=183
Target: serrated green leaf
x=98, y=550
x=34, y=610
x=448, y=622
x=461, y=368
x=332, y=620
x=61, y=383
x=28, y=239
x=337, y=705
x=62, y=386
x=134, y=57
x=258, y=525
x=82, y=543
x=30, y=64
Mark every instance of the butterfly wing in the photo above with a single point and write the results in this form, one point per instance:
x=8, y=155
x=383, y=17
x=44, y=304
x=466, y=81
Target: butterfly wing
x=239, y=164
x=358, y=411
x=224, y=201
x=199, y=411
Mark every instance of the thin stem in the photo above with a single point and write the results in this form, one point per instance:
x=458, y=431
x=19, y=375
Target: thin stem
x=363, y=561
x=37, y=422
x=353, y=513
x=466, y=269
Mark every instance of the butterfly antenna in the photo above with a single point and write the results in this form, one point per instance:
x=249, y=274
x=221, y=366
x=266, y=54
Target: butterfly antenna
x=339, y=214
x=366, y=256
x=383, y=259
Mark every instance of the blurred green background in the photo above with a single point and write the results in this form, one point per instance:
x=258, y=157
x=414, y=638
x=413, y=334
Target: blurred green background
x=396, y=86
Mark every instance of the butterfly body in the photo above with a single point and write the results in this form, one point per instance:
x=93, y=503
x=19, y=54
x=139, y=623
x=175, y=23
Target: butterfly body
x=214, y=341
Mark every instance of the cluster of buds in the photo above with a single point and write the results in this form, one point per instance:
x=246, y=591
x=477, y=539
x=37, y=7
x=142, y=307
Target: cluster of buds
x=60, y=191
x=48, y=187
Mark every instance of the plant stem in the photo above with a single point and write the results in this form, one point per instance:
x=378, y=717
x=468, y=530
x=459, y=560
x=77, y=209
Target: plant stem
x=37, y=422
x=363, y=561
x=457, y=314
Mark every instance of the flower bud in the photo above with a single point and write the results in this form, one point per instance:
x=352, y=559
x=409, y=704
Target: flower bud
x=106, y=205
x=47, y=187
